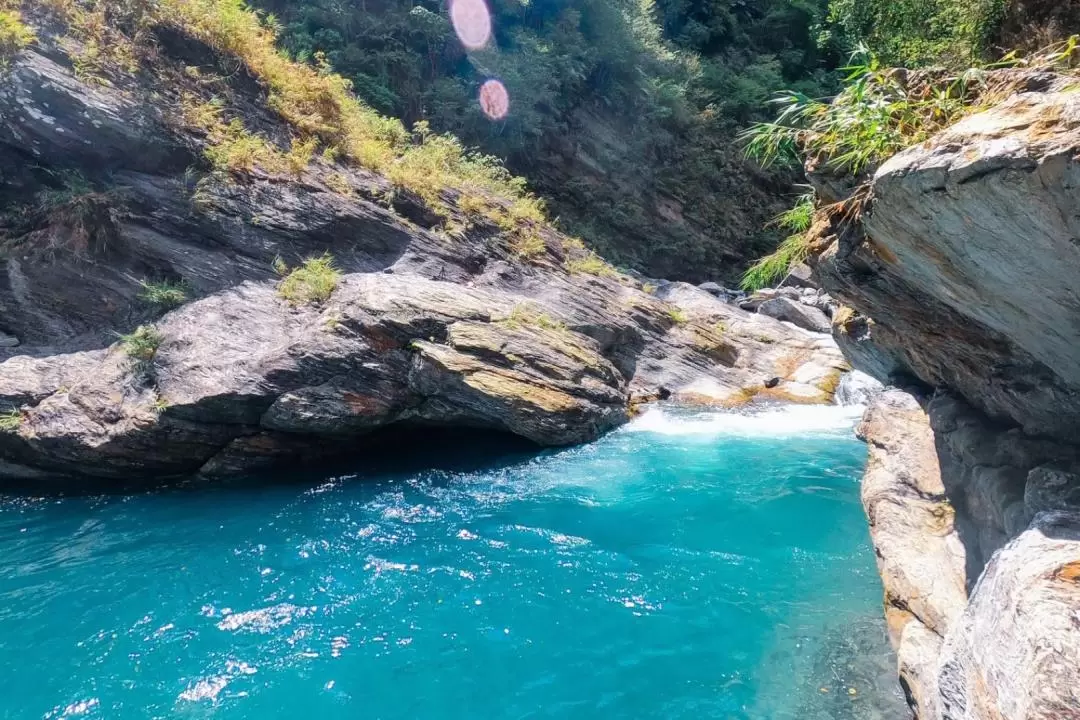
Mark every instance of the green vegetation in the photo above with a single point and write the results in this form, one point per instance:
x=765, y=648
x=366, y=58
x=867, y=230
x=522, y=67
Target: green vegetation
x=142, y=343
x=14, y=33
x=793, y=250
x=73, y=189
x=914, y=33
x=589, y=263
x=678, y=315
x=10, y=421
x=325, y=116
x=879, y=112
x=622, y=111
x=164, y=294
x=313, y=282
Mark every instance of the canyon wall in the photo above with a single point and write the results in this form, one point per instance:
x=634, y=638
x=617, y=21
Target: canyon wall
x=963, y=282
x=430, y=319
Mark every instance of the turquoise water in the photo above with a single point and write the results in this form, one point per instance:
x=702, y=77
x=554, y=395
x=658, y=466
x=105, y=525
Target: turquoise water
x=690, y=566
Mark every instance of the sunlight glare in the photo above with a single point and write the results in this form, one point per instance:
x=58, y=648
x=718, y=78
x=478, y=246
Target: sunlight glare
x=494, y=99
x=472, y=22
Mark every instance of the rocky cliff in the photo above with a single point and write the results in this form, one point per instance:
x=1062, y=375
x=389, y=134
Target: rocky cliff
x=962, y=281
x=429, y=315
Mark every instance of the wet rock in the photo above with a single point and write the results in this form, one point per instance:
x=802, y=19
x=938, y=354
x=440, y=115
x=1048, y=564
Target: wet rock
x=857, y=388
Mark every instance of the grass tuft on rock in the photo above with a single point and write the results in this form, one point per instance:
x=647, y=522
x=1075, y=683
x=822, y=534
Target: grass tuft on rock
x=678, y=315
x=590, y=264
x=10, y=421
x=879, y=112
x=793, y=250
x=15, y=35
x=313, y=282
x=164, y=294
x=323, y=113
x=142, y=343
x=525, y=315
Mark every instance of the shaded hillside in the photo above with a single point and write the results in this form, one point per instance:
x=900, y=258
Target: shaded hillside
x=623, y=114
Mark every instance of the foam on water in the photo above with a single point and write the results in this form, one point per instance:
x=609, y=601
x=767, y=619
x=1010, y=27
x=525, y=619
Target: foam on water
x=774, y=422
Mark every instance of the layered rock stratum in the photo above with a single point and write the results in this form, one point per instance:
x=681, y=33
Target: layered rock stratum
x=961, y=281
x=104, y=189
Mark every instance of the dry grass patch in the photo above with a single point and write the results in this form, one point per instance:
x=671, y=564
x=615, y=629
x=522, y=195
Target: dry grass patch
x=313, y=282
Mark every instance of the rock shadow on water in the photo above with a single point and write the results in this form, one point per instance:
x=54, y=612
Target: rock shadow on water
x=392, y=452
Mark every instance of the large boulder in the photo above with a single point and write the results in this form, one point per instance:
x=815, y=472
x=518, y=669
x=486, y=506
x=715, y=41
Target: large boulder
x=967, y=264
x=1015, y=652
x=797, y=313
x=439, y=318
x=921, y=557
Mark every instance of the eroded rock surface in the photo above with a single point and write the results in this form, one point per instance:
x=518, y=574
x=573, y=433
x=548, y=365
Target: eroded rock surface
x=105, y=190
x=958, y=505
x=967, y=261
x=961, y=280
x=1015, y=651
x=921, y=558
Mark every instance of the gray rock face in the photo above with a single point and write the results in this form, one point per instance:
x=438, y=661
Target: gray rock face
x=424, y=328
x=1049, y=488
x=968, y=265
x=962, y=276
x=792, y=311
x=956, y=502
x=1015, y=651
x=801, y=276
x=921, y=557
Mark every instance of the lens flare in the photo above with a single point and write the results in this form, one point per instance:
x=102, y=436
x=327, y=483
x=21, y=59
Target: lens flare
x=494, y=100
x=472, y=22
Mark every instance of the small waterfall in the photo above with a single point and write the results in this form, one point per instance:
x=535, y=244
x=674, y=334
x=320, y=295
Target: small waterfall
x=785, y=421
x=856, y=388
